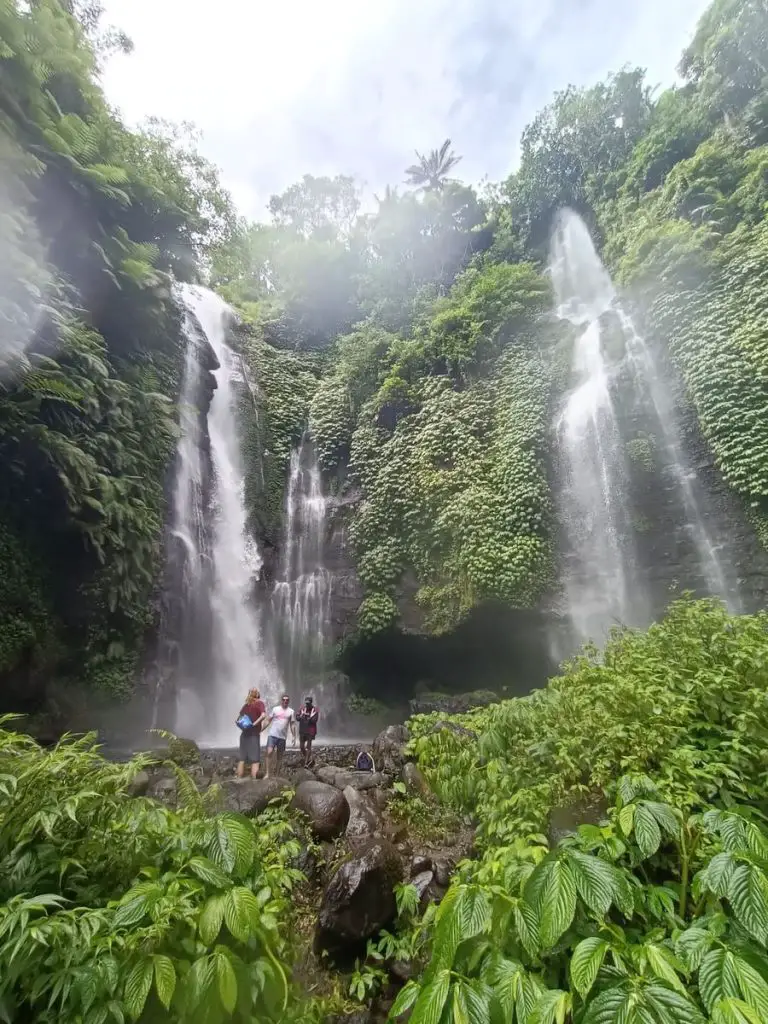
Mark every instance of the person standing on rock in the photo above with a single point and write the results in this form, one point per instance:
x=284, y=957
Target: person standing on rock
x=254, y=710
x=307, y=719
x=281, y=718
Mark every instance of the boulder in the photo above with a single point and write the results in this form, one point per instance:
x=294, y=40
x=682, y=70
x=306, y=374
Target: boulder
x=422, y=882
x=251, y=796
x=420, y=862
x=325, y=806
x=455, y=728
x=304, y=775
x=443, y=870
x=389, y=748
x=364, y=820
x=357, y=780
x=327, y=774
x=183, y=752
x=359, y=900
x=414, y=780
x=139, y=784
x=163, y=788
x=452, y=704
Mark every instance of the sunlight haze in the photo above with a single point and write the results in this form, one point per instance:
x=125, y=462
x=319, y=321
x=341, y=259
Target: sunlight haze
x=280, y=90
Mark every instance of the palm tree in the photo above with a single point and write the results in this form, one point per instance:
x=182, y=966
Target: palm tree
x=430, y=173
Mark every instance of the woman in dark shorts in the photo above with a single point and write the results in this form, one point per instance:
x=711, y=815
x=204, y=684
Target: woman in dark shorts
x=250, y=738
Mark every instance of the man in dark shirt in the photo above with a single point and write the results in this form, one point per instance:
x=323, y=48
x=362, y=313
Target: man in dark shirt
x=250, y=737
x=307, y=719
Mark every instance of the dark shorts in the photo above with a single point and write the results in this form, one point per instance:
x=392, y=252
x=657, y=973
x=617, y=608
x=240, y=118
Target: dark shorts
x=250, y=747
x=307, y=734
x=274, y=743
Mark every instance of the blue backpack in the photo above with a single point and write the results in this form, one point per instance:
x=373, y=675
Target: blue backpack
x=245, y=721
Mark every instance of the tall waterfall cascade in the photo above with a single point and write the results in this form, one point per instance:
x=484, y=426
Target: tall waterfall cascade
x=618, y=389
x=221, y=649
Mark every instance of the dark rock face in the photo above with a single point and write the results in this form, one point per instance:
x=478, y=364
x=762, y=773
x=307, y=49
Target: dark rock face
x=346, y=589
x=364, y=819
x=360, y=899
x=341, y=778
x=389, y=748
x=452, y=705
x=139, y=784
x=252, y=796
x=325, y=806
x=591, y=809
x=163, y=788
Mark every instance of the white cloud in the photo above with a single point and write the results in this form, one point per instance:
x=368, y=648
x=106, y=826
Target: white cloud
x=280, y=89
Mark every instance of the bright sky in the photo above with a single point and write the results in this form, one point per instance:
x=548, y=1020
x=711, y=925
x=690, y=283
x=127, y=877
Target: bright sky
x=280, y=88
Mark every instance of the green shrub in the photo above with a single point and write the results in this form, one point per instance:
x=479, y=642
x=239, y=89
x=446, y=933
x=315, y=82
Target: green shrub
x=115, y=908
x=657, y=912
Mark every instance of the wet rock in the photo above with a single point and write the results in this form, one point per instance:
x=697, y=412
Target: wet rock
x=360, y=1017
x=163, y=788
x=359, y=900
x=327, y=774
x=183, y=752
x=422, y=882
x=364, y=821
x=139, y=784
x=304, y=775
x=325, y=806
x=420, y=862
x=357, y=780
x=443, y=870
x=251, y=796
x=403, y=970
x=389, y=748
x=452, y=704
x=308, y=863
x=381, y=798
x=413, y=778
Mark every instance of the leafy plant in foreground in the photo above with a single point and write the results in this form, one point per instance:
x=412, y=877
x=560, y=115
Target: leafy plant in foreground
x=115, y=908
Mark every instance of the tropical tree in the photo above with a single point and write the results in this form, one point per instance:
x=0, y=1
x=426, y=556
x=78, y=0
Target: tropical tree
x=431, y=172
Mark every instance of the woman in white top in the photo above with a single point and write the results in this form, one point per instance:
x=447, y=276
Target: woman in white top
x=281, y=718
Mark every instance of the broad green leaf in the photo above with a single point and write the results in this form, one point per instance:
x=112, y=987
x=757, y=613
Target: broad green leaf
x=478, y=998
x=647, y=831
x=734, y=1011
x=207, y=871
x=227, y=982
x=552, y=1007
x=406, y=997
x=240, y=911
x=753, y=986
x=716, y=877
x=165, y=979
x=671, y=1006
x=662, y=962
x=627, y=819
x=527, y=924
x=241, y=841
x=137, y=986
x=557, y=902
x=211, y=918
x=611, y=1006
x=428, y=1008
x=692, y=944
x=598, y=883
x=136, y=903
x=506, y=978
x=748, y=895
x=459, y=1008
x=718, y=979
x=586, y=960
x=668, y=820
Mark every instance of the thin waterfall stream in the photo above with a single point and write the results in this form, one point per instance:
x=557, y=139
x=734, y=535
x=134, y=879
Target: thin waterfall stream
x=618, y=384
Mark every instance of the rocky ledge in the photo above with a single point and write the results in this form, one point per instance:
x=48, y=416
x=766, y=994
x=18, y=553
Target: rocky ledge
x=355, y=852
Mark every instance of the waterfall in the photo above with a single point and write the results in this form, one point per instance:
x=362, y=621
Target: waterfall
x=606, y=579
x=216, y=665
x=301, y=595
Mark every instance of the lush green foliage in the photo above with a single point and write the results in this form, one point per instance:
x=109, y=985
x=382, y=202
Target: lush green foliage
x=658, y=911
x=115, y=908
x=93, y=218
